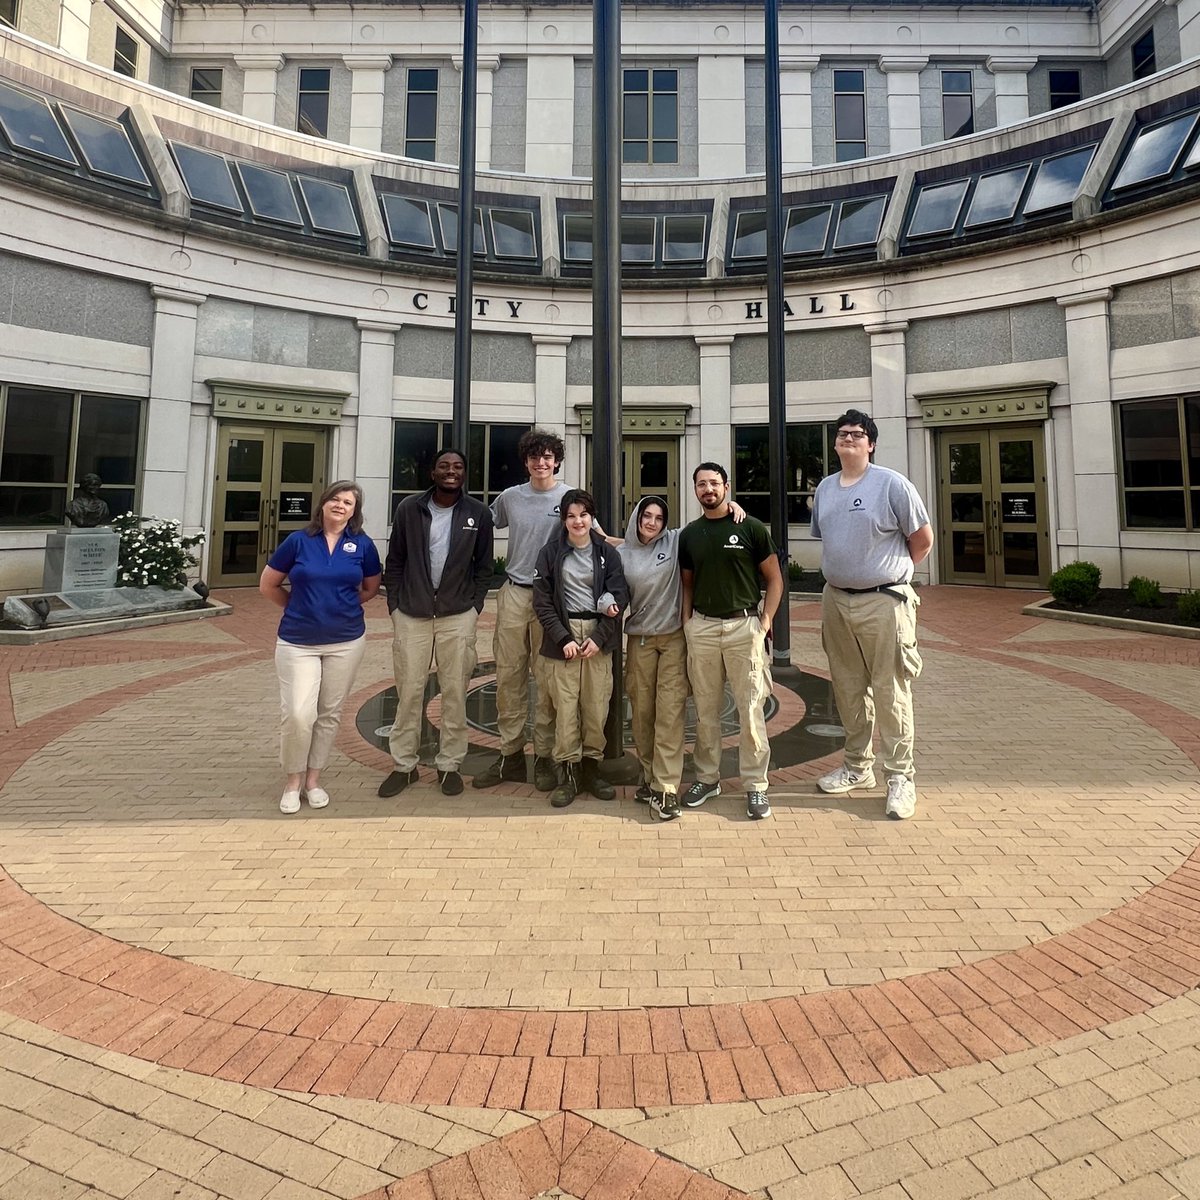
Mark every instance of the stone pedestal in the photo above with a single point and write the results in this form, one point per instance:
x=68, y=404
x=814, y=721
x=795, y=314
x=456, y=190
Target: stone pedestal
x=80, y=560
x=95, y=604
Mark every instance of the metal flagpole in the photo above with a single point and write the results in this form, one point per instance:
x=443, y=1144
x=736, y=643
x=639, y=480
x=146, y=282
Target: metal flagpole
x=464, y=303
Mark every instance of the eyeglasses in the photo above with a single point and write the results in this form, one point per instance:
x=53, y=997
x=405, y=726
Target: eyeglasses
x=851, y=435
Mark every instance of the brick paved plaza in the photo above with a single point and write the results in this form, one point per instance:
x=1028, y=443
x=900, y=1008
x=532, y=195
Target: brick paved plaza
x=481, y=997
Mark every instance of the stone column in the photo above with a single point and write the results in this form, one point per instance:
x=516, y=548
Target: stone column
x=889, y=401
x=721, y=115
x=550, y=381
x=75, y=28
x=1093, y=436
x=1012, y=88
x=168, y=420
x=903, y=73
x=486, y=66
x=795, y=103
x=366, y=98
x=716, y=435
x=261, y=73
x=550, y=115
x=373, y=452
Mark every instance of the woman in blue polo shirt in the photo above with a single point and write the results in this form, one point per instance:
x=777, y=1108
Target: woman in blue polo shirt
x=333, y=569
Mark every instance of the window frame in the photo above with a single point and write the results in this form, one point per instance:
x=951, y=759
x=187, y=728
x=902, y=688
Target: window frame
x=203, y=95
x=302, y=92
x=125, y=62
x=861, y=93
x=409, y=91
x=12, y=7
x=442, y=440
x=78, y=398
x=1143, y=57
x=1188, y=488
x=799, y=498
x=1060, y=98
x=964, y=129
x=652, y=141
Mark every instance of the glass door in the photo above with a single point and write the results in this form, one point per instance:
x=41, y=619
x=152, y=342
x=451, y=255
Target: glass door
x=649, y=467
x=993, y=523
x=268, y=478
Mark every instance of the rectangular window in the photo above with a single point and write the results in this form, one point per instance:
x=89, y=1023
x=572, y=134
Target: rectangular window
x=492, y=463
x=1065, y=88
x=8, y=13
x=49, y=439
x=420, y=116
x=125, y=53
x=312, y=102
x=650, y=129
x=849, y=116
x=810, y=457
x=1160, y=463
x=958, y=104
x=1142, y=56
x=206, y=85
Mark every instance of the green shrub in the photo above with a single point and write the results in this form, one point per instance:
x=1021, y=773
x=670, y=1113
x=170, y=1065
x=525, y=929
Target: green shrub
x=1188, y=607
x=795, y=571
x=499, y=563
x=1075, y=585
x=1145, y=593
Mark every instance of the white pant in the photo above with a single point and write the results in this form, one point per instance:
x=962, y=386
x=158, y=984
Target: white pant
x=314, y=682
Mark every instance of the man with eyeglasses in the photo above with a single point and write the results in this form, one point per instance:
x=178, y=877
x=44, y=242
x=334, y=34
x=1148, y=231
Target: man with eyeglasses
x=873, y=530
x=529, y=511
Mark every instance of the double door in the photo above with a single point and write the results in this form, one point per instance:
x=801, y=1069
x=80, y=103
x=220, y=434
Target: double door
x=993, y=523
x=649, y=467
x=268, y=479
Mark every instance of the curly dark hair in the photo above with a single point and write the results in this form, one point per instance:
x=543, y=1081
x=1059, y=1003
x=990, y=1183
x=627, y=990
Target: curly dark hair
x=541, y=441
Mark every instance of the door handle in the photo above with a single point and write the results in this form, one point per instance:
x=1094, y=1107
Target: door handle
x=272, y=522
x=263, y=525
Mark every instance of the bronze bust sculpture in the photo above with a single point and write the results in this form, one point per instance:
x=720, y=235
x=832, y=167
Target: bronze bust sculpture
x=87, y=510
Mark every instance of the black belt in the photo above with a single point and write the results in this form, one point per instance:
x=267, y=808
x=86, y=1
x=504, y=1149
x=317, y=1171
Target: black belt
x=883, y=587
x=516, y=584
x=584, y=616
x=729, y=616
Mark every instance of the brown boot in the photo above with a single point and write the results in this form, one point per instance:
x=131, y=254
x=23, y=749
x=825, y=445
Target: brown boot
x=568, y=786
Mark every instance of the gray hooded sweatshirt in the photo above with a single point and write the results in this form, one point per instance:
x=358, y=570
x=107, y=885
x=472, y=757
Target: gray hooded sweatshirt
x=652, y=572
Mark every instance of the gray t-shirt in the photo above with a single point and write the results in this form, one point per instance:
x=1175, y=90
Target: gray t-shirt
x=864, y=529
x=439, y=540
x=530, y=518
x=578, y=576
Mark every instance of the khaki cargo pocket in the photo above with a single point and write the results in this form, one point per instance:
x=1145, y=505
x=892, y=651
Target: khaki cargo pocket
x=910, y=660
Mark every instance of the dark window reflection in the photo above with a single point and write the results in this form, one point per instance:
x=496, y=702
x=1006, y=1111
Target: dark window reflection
x=967, y=508
x=966, y=463
x=1016, y=462
x=1150, y=443
x=967, y=549
x=810, y=457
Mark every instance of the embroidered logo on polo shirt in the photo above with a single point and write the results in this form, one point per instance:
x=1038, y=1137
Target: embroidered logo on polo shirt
x=857, y=502
x=349, y=547
x=734, y=540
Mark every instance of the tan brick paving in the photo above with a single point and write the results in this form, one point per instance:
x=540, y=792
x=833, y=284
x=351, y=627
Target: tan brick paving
x=1058, y=770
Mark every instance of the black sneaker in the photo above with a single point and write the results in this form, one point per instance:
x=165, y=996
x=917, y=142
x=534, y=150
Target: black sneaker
x=699, y=792
x=665, y=806
x=396, y=782
x=757, y=805
x=508, y=767
x=644, y=794
x=544, y=775
x=452, y=783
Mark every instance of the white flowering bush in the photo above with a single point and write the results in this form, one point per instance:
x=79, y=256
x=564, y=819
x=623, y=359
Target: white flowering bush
x=154, y=553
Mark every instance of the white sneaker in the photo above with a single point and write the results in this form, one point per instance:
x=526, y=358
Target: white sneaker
x=846, y=780
x=289, y=802
x=317, y=797
x=901, y=798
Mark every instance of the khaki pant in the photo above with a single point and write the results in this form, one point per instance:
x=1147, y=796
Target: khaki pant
x=314, y=682
x=657, y=686
x=517, y=645
x=416, y=643
x=733, y=650
x=582, y=690
x=871, y=643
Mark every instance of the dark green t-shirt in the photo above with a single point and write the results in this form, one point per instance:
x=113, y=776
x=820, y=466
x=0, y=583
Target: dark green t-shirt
x=724, y=558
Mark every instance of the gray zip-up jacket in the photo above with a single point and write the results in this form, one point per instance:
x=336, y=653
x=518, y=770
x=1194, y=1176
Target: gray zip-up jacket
x=652, y=573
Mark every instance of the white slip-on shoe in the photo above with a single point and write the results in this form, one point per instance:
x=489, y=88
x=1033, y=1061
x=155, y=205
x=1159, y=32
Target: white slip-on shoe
x=289, y=802
x=317, y=797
